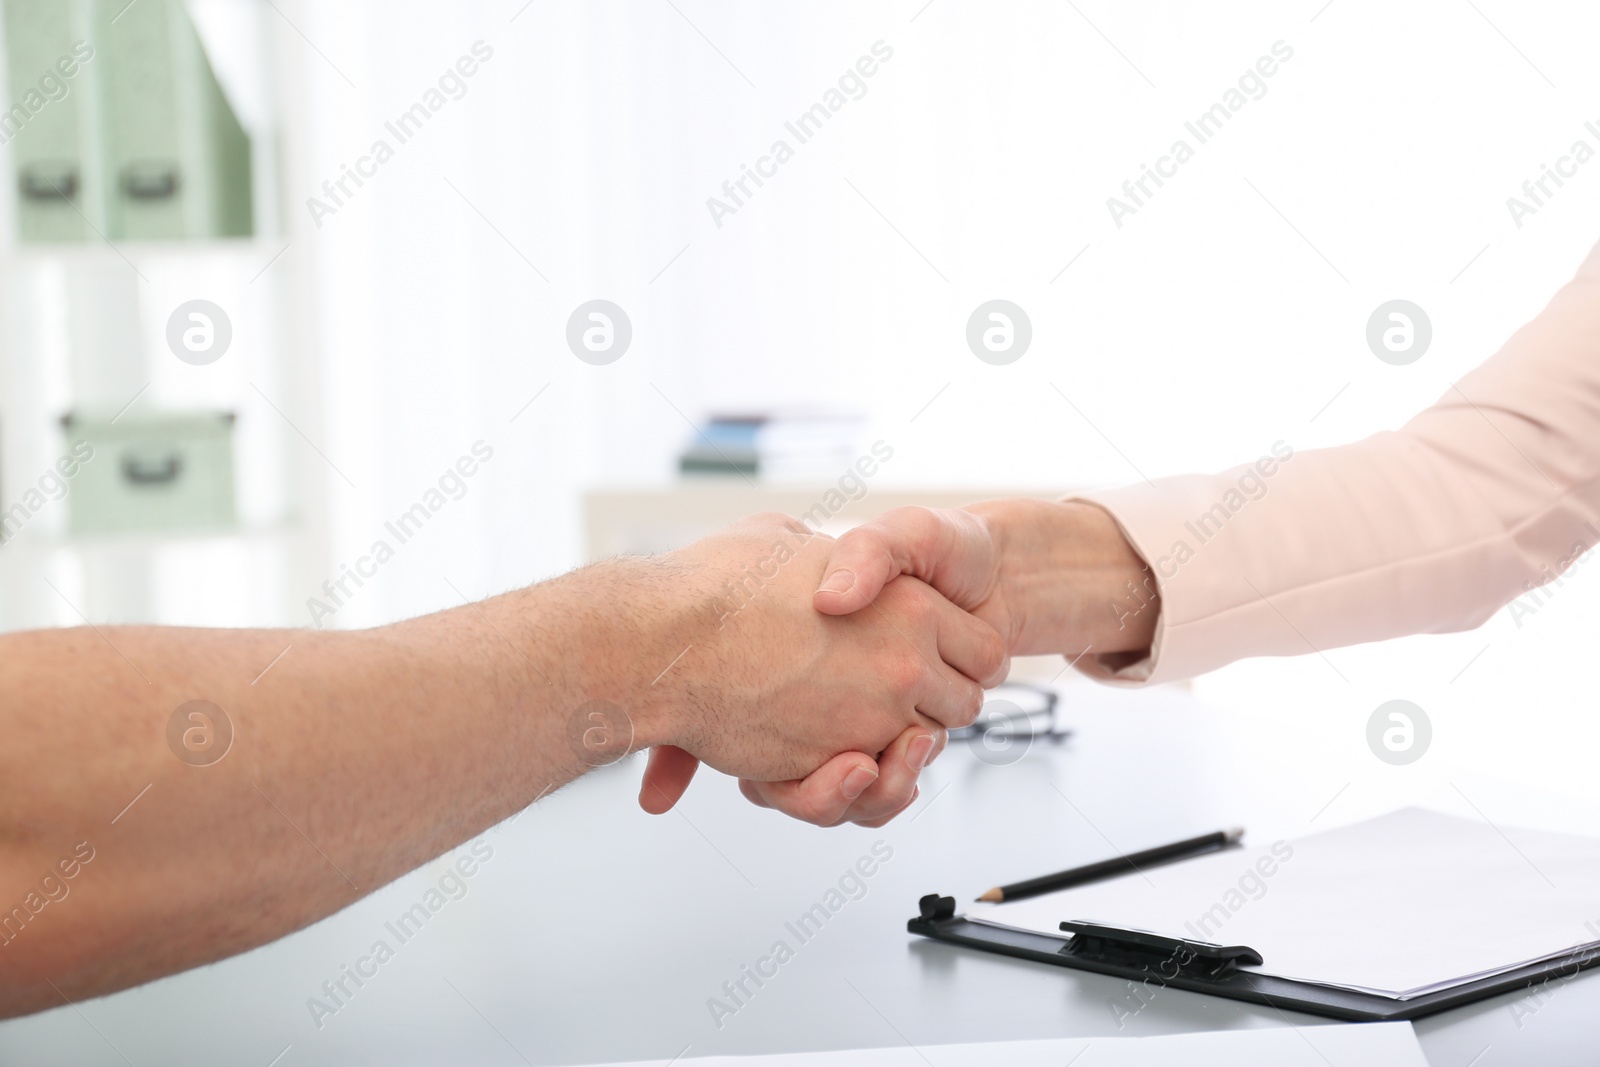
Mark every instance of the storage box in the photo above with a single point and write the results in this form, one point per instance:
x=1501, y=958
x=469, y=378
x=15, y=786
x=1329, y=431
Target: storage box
x=168, y=473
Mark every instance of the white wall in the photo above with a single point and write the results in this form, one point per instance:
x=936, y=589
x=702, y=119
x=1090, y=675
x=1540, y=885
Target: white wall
x=1223, y=316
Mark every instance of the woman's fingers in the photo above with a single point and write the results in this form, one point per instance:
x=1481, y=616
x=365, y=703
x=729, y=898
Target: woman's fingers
x=950, y=549
x=971, y=645
x=898, y=769
x=947, y=654
x=852, y=787
x=823, y=797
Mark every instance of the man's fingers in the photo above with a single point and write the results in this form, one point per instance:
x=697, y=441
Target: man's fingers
x=666, y=776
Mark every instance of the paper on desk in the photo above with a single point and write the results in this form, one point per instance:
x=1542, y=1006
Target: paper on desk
x=1399, y=905
x=1347, y=1045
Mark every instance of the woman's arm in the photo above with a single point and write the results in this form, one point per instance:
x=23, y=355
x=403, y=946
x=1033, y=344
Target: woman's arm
x=1430, y=528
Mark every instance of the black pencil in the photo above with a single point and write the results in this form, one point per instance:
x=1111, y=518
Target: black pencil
x=1049, y=883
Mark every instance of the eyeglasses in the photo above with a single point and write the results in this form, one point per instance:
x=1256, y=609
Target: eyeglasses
x=1015, y=710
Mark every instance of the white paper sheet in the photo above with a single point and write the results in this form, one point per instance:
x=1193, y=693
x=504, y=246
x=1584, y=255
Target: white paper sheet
x=1348, y=1045
x=1398, y=905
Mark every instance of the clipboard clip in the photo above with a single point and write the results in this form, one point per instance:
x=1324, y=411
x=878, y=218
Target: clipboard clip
x=1170, y=957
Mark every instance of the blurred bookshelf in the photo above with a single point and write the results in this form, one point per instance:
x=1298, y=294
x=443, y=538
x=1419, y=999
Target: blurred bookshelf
x=141, y=478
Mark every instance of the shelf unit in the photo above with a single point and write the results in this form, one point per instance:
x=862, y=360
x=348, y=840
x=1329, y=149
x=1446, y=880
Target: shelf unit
x=83, y=329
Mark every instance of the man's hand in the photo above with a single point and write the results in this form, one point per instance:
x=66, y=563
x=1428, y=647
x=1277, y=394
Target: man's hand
x=769, y=689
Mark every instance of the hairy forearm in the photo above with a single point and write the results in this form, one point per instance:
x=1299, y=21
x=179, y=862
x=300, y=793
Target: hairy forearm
x=356, y=757
x=1069, y=580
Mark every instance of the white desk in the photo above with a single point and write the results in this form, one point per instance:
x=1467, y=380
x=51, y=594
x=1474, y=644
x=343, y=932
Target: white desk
x=598, y=933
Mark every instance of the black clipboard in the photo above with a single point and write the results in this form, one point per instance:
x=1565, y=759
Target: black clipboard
x=1203, y=967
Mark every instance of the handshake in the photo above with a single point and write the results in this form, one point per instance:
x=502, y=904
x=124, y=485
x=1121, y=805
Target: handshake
x=822, y=673
x=825, y=673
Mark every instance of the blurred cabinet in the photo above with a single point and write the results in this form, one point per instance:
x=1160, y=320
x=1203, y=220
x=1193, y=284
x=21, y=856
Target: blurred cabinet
x=118, y=125
x=140, y=139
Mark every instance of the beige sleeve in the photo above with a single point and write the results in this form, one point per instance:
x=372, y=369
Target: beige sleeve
x=1432, y=528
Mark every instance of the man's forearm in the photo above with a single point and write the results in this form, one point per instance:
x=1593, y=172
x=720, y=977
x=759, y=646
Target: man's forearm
x=356, y=757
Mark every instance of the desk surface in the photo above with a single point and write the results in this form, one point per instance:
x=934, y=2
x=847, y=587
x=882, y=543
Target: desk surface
x=595, y=933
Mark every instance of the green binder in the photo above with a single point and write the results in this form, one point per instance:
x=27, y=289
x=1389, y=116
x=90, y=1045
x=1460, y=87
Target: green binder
x=43, y=121
x=142, y=145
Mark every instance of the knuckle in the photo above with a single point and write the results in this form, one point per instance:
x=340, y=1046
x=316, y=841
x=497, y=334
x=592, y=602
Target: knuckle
x=923, y=528
x=904, y=675
x=909, y=518
x=871, y=536
x=864, y=548
x=916, y=604
x=778, y=521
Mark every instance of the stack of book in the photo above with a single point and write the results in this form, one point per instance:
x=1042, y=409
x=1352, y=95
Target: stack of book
x=778, y=447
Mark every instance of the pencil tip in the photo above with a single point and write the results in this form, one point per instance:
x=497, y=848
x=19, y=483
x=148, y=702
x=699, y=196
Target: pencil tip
x=1235, y=835
x=992, y=896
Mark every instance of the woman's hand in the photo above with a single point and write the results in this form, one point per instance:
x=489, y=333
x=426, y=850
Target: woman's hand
x=1049, y=577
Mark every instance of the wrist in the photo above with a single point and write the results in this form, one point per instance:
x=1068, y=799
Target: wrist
x=627, y=633
x=587, y=658
x=1070, y=580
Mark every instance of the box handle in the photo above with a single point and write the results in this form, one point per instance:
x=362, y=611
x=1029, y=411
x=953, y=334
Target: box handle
x=154, y=180
x=48, y=181
x=162, y=473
